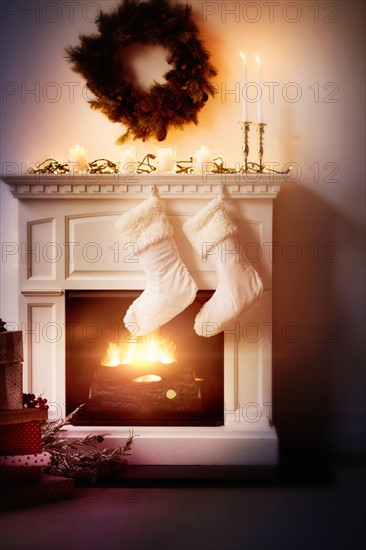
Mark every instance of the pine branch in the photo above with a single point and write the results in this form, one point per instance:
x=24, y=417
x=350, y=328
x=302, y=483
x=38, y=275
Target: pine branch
x=49, y=429
x=68, y=461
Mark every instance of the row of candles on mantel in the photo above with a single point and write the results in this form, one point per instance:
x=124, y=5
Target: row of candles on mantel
x=165, y=159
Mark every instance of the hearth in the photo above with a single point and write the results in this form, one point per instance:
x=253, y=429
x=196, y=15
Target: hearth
x=171, y=377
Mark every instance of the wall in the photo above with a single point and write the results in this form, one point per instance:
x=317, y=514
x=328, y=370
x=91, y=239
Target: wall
x=313, y=54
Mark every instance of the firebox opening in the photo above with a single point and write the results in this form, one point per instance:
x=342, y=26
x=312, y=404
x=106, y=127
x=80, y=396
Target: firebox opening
x=171, y=377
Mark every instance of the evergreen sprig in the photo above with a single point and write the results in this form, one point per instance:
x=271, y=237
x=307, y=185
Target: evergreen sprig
x=70, y=462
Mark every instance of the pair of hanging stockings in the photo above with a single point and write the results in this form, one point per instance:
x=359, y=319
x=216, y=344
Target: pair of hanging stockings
x=170, y=288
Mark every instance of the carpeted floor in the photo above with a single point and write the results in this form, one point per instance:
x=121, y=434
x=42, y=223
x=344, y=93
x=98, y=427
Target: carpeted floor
x=309, y=512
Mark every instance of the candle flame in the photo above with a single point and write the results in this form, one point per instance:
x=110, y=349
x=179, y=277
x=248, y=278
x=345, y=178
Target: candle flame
x=243, y=57
x=258, y=60
x=151, y=348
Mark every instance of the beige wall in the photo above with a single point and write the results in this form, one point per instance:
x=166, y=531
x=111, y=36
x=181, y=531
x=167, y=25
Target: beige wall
x=312, y=49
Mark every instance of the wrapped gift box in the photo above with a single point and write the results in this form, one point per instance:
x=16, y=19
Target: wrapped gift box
x=16, y=461
x=11, y=386
x=50, y=489
x=11, y=373
x=20, y=469
x=19, y=416
x=18, y=439
x=11, y=347
x=11, y=477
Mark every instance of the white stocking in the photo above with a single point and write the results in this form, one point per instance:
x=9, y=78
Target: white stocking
x=170, y=289
x=214, y=235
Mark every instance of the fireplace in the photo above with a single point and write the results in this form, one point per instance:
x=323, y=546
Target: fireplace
x=68, y=247
x=171, y=377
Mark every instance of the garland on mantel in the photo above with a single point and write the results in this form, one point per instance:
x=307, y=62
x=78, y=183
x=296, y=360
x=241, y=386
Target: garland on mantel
x=145, y=166
x=146, y=113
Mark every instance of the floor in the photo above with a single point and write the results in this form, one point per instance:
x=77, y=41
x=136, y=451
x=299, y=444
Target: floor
x=325, y=511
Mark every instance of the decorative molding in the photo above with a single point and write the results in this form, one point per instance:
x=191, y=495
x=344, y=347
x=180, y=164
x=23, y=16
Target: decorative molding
x=107, y=186
x=40, y=267
x=48, y=293
x=35, y=351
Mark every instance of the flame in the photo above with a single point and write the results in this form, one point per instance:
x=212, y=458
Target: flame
x=258, y=60
x=243, y=57
x=151, y=348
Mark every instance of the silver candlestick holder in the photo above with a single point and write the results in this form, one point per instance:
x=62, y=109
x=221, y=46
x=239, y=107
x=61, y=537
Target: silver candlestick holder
x=260, y=130
x=245, y=127
x=255, y=167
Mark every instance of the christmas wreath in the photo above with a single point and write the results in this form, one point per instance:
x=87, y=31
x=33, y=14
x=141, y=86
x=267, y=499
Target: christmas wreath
x=152, y=112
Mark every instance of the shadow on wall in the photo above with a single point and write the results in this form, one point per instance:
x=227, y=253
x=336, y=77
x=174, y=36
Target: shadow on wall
x=318, y=394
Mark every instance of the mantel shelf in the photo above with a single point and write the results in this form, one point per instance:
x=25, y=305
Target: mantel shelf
x=111, y=186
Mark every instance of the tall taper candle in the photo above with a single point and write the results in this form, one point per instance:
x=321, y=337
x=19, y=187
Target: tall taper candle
x=260, y=100
x=244, y=91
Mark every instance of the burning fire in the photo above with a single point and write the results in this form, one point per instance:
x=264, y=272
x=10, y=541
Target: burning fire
x=147, y=378
x=151, y=348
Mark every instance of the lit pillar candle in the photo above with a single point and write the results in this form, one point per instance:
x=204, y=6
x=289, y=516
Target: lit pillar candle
x=165, y=157
x=203, y=156
x=260, y=101
x=128, y=160
x=78, y=158
x=244, y=83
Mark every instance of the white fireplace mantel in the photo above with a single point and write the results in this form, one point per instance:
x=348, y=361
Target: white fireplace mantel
x=68, y=242
x=119, y=186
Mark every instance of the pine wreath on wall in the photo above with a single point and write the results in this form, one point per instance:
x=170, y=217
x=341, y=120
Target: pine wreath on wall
x=146, y=113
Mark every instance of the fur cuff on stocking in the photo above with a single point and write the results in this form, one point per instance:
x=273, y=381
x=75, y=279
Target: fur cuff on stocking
x=212, y=224
x=145, y=225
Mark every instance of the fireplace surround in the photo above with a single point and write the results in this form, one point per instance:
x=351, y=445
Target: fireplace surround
x=68, y=243
x=171, y=377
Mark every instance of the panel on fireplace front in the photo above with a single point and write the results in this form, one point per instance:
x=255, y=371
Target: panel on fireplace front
x=106, y=370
